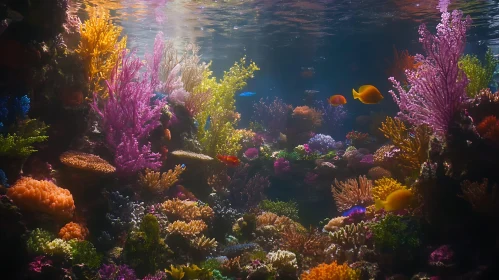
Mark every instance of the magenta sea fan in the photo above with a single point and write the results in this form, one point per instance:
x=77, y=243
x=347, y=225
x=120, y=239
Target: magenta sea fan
x=437, y=86
x=128, y=116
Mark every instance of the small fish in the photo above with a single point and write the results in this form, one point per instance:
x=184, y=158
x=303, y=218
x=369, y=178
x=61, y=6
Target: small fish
x=247, y=93
x=354, y=209
x=167, y=134
x=337, y=100
x=368, y=94
x=229, y=160
x=397, y=200
x=207, y=125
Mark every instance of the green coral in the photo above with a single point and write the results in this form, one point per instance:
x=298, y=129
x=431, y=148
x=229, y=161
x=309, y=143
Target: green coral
x=479, y=75
x=20, y=143
x=281, y=208
x=222, y=137
x=38, y=240
x=144, y=250
x=396, y=234
x=84, y=252
x=58, y=247
x=211, y=264
x=217, y=275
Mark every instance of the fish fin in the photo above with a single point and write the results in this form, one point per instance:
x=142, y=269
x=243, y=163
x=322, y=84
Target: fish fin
x=364, y=87
x=379, y=204
x=356, y=95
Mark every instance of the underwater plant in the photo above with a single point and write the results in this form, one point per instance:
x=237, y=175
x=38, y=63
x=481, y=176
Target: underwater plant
x=437, y=86
x=100, y=48
x=220, y=136
x=397, y=235
x=479, y=75
x=281, y=208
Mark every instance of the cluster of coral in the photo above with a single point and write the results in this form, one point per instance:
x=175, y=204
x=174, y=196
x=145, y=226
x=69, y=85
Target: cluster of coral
x=118, y=167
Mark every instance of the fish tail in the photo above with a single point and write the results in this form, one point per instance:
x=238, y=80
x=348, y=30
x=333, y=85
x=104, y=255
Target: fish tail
x=378, y=204
x=355, y=94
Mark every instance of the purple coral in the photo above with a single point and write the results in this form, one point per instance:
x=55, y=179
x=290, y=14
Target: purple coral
x=39, y=263
x=281, y=166
x=333, y=116
x=272, y=115
x=437, y=86
x=251, y=154
x=321, y=143
x=127, y=116
x=442, y=256
x=115, y=272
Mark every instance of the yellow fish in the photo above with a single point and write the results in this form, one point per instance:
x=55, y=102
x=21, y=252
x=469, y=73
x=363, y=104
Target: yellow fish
x=368, y=94
x=397, y=200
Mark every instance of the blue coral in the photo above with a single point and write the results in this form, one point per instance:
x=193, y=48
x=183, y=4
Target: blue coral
x=322, y=143
x=12, y=110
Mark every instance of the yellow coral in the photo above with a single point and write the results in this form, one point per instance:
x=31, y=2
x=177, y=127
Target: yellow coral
x=203, y=243
x=177, y=209
x=413, y=144
x=385, y=186
x=187, y=230
x=100, y=48
x=157, y=181
x=222, y=137
x=332, y=271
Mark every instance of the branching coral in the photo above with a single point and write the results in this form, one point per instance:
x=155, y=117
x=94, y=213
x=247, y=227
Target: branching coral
x=332, y=271
x=413, y=145
x=187, y=230
x=479, y=74
x=384, y=187
x=283, y=260
x=309, y=246
x=288, y=209
x=221, y=137
x=335, y=224
x=349, y=242
x=19, y=143
x=86, y=161
x=99, y=48
x=306, y=117
x=203, y=243
x=352, y=192
x=157, y=181
x=279, y=222
x=481, y=196
x=177, y=209
x=73, y=230
x=42, y=196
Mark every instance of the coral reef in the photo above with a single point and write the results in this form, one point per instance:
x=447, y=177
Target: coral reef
x=352, y=192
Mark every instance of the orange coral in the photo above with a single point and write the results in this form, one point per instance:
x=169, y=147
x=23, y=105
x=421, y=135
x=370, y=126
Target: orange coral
x=231, y=266
x=177, y=209
x=489, y=129
x=307, y=116
x=481, y=196
x=187, y=230
x=280, y=222
x=402, y=61
x=42, y=196
x=352, y=192
x=332, y=271
x=157, y=181
x=311, y=245
x=73, y=231
x=86, y=161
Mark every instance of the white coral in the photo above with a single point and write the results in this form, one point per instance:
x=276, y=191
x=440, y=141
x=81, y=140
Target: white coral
x=281, y=259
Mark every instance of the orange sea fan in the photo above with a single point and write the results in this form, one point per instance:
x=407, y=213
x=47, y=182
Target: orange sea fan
x=332, y=271
x=73, y=231
x=352, y=192
x=42, y=196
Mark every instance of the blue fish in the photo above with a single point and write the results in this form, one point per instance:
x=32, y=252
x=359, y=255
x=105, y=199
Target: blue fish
x=353, y=210
x=207, y=125
x=182, y=166
x=247, y=93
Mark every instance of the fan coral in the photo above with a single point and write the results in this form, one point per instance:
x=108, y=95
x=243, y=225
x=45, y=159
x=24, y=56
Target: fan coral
x=73, y=231
x=187, y=230
x=437, y=87
x=99, y=48
x=307, y=117
x=203, y=243
x=191, y=155
x=349, y=242
x=384, y=187
x=413, y=145
x=283, y=260
x=156, y=181
x=377, y=172
x=42, y=196
x=481, y=196
x=332, y=271
x=186, y=210
x=352, y=192
x=86, y=161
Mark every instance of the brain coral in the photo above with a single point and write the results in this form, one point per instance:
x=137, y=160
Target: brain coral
x=42, y=196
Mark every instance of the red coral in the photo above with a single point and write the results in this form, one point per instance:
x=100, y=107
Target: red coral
x=489, y=129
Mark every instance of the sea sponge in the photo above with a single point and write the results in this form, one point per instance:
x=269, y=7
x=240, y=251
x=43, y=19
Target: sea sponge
x=42, y=196
x=332, y=271
x=187, y=230
x=87, y=162
x=384, y=187
x=73, y=231
x=186, y=210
